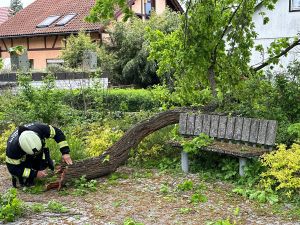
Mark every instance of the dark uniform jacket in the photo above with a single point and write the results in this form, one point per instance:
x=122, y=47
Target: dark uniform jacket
x=19, y=163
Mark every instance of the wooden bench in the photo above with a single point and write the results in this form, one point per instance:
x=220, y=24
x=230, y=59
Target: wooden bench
x=236, y=136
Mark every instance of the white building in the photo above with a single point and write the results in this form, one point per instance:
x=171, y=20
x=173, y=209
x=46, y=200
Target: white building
x=284, y=22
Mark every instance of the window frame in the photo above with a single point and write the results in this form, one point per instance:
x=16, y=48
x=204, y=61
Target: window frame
x=293, y=9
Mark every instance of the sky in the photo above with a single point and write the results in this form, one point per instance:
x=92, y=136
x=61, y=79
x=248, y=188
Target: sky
x=6, y=3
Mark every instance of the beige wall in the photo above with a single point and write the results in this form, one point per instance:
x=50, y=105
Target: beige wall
x=138, y=7
x=160, y=6
x=36, y=48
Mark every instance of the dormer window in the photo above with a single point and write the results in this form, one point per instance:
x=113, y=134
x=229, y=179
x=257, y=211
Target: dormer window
x=47, y=22
x=66, y=19
x=294, y=5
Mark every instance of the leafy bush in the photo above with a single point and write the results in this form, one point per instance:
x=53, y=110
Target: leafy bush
x=99, y=138
x=130, y=100
x=130, y=221
x=123, y=100
x=130, y=49
x=83, y=186
x=11, y=207
x=57, y=207
x=194, y=146
x=294, y=130
x=75, y=46
x=3, y=139
x=1, y=63
x=186, y=185
x=153, y=151
x=283, y=168
x=262, y=196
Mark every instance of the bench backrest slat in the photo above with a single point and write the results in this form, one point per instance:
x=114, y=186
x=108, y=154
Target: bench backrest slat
x=262, y=132
x=222, y=126
x=254, y=131
x=238, y=127
x=214, y=125
x=190, y=125
x=271, y=132
x=198, y=124
x=206, y=124
x=232, y=128
x=182, y=123
x=246, y=129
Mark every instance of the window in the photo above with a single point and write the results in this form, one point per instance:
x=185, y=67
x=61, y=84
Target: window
x=294, y=5
x=47, y=22
x=148, y=8
x=66, y=19
x=31, y=63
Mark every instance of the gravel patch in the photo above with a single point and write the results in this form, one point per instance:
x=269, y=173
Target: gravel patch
x=142, y=198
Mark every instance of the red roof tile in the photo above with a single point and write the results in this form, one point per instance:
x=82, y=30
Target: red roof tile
x=24, y=22
x=4, y=13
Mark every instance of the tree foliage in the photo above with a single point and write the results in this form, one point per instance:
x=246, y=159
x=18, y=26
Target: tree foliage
x=1, y=63
x=15, y=6
x=212, y=48
x=130, y=48
x=75, y=47
x=104, y=10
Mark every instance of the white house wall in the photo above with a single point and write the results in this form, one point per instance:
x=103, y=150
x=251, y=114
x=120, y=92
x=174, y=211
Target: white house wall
x=283, y=23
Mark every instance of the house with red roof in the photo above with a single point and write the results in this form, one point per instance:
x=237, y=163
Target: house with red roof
x=4, y=14
x=43, y=26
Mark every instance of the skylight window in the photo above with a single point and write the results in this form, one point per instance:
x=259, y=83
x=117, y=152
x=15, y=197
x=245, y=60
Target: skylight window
x=66, y=19
x=47, y=22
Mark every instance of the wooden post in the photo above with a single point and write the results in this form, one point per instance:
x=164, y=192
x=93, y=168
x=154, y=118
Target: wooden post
x=184, y=162
x=242, y=162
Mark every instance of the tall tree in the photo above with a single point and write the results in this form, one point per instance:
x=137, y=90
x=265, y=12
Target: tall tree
x=15, y=6
x=209, y=54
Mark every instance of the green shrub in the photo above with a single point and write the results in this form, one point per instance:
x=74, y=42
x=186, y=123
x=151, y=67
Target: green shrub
x=74, y=136
x=130, y=100
x=130, y=221
x=99, y=138
x=283, y=168
x=1, y=63
x=57, y=207
x=11, y=207
x=186, y=185
x=152, y=151
x=194, y=146
x=3, y=140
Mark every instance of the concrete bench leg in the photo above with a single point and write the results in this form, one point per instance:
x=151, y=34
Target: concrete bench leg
x=242, y=162
x=184, y=162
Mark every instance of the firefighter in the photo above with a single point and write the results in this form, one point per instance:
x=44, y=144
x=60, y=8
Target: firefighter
x=27, y=157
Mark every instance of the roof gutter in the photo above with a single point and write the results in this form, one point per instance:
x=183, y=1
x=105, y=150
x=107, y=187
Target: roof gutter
x=47, y=34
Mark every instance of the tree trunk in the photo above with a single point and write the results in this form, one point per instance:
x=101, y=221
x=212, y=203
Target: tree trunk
x=118, y=153
x=212, y=81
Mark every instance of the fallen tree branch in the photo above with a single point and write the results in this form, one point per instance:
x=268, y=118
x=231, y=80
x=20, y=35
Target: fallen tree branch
x=118, y=153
